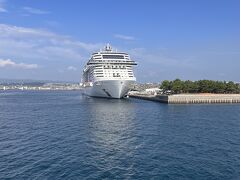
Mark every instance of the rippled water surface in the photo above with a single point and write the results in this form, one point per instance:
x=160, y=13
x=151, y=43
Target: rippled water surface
x=63, y=135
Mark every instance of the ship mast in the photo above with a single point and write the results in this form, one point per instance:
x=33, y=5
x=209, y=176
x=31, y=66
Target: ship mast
x=108, y=48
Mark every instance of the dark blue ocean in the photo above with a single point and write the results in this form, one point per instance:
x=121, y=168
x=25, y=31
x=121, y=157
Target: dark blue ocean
x=64, y=135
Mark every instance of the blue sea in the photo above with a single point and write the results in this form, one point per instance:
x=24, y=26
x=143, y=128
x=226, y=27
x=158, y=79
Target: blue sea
x=65, y=135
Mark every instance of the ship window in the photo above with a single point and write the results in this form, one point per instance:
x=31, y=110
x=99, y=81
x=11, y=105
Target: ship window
x=113, y=57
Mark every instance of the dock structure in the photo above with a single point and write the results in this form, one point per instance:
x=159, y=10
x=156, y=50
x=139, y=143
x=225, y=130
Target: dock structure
x=191, y=98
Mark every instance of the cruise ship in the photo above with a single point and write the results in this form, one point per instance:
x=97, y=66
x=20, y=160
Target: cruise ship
x=108, y=74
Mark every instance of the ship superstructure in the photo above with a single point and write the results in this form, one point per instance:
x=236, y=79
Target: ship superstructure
x=108, y=73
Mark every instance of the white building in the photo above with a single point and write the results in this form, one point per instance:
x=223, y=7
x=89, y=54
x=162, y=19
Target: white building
x=153, y=91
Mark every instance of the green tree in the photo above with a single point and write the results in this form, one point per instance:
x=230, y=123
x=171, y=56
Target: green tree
x=201, y=86
x=166, y=85
x=231, y=87
x=219, y=87
x=177, y=86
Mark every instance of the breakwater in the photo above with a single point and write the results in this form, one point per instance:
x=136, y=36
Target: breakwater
x=191, y=98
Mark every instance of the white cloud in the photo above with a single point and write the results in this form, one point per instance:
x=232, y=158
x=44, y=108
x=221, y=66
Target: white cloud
x=41, y=45
x=71, y=68
x=161, y=58
x=124, y=37
x=2, y=8
x=35, y=11
x=10, y=63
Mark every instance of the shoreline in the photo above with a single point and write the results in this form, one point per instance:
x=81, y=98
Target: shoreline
x=201, y=98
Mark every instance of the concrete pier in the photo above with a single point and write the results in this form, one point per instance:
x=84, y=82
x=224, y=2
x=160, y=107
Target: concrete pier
x=191, y=98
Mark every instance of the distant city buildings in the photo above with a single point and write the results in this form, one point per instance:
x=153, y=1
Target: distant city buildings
x=47, y=86
x=144, y=86
x=69, y=86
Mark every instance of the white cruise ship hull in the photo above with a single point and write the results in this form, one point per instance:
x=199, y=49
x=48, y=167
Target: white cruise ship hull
x=108, y=88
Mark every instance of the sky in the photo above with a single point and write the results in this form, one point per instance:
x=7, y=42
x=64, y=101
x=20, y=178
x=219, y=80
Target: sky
x=52, y=40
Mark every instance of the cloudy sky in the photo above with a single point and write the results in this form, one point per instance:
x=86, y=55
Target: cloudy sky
x=52, y=40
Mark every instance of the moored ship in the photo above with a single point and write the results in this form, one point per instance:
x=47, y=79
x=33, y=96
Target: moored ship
x=108, y=74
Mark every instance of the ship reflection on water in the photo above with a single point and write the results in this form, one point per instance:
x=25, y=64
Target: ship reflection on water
x=112, y=132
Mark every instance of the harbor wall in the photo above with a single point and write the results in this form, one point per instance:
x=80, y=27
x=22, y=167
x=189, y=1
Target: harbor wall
x=162, y=98
x=192, y=98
